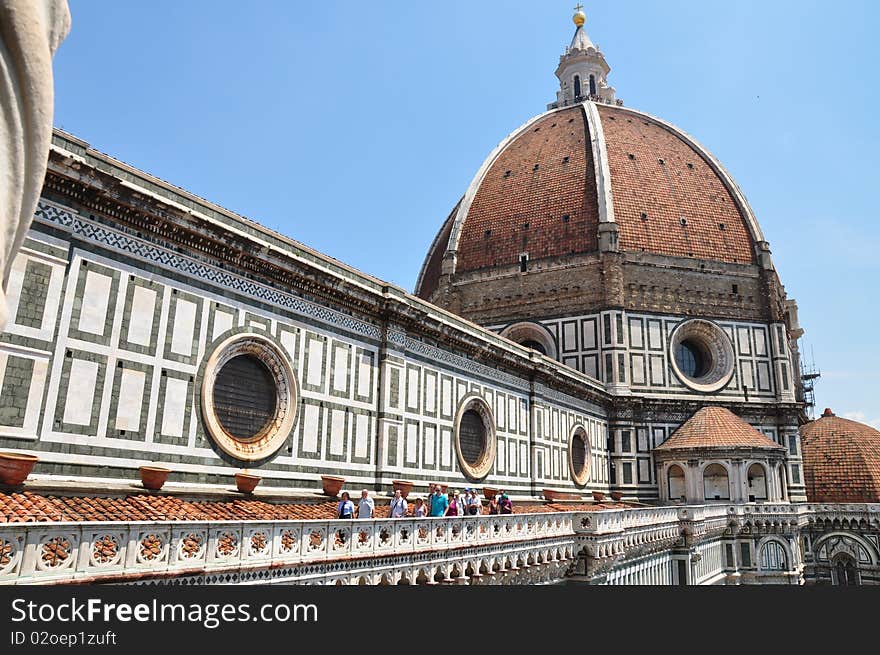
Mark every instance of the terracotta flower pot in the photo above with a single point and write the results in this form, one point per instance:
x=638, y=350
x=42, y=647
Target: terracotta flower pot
x=246, y=483
x=15, y=467
x=405, y=486
x=616, y=495
x=598, y=495
x=153, y=477
x=489, y=493
x=552, y=495
x=332, y=484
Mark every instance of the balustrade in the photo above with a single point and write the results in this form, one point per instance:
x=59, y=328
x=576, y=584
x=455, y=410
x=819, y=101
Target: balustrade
x=34, y=552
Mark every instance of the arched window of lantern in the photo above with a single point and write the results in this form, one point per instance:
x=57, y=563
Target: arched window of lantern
x=577, y=86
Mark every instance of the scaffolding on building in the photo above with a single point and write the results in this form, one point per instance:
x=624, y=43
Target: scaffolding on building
x=809, y=375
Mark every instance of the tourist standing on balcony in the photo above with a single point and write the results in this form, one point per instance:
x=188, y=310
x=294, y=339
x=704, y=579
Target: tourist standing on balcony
x=345, y=509
x=453, y=506
x=462, y=499
x=493, y=505
x=473, y=504
x=439, y=503
x=505, y=506
x=420, y=508
x=398, y=505
x=365, y=506
x=435, y=493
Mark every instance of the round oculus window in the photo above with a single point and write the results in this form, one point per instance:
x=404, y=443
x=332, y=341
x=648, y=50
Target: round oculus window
x=579, y=456
x=702, y=356
x=472, y=437
x=475, y=440
x=245, y=397
x=249, y=397
x=532, y=335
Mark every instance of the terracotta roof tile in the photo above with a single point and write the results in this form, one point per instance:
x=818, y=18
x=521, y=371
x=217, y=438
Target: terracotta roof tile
x=716, y=427
x=544, y=179
x=31, y=507
x=841, y=460
x=656, y=173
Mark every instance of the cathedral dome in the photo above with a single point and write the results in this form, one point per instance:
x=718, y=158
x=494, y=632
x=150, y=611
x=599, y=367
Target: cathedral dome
x=552, y=187
x=841, y=460
x=586, y=177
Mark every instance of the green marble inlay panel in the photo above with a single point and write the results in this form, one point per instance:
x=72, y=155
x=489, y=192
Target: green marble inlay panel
x=114, y=424
x=188, y=357
x=430, y=388
x=393, y=432
x=445, y=434
x=413, y=387
x=174, y=408
x=34, y=292
x=95, y=392
x=14, y=392
x=394, y=387
x=155, y=315
x=364, y=390
x=79, y=299
x=256, y=322
x=309, y=446
x=340, y=355
x=314, y=362
x=222, y=319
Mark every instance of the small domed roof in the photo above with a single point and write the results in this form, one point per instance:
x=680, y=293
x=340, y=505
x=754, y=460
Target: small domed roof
x=841, y=460
x=716, y=428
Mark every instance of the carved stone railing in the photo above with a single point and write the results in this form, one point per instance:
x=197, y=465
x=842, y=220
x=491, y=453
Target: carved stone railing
x=103, y=551
x=96, y=551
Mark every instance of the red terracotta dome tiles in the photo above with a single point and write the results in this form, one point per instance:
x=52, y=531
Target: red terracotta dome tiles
x=544, y=174
x=841, y=460
x=658, y=179
x=717, y=427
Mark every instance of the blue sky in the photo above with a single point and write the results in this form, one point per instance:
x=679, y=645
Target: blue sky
x=355, y=127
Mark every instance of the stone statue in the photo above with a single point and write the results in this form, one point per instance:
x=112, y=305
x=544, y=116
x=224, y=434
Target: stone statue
x=30, y=32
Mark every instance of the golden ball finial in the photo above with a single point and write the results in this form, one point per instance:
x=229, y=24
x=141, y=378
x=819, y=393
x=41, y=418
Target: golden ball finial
x=579, y=17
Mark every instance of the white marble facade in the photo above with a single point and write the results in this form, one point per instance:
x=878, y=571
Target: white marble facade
x=116, y=381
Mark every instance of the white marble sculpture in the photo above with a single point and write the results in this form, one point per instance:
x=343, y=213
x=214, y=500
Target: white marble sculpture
x=30, y=32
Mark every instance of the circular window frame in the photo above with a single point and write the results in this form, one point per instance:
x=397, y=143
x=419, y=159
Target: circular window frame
x=528, y=331
x=272, y=437
x=583, y=478
x=476, y=403
x=715, y=343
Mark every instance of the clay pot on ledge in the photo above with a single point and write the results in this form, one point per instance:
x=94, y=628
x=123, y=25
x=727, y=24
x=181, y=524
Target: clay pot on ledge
x=332, y=484
x=489, y=493
x=598, y=496
x=616, y=495
x=246, y=482
x=15, y=467
x=405, y=486
x=153, y=477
